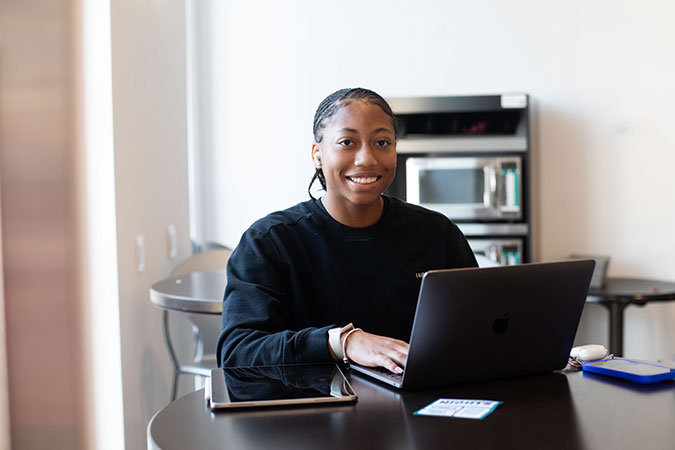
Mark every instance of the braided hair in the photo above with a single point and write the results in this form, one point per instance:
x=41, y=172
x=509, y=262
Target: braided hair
x=330, y=106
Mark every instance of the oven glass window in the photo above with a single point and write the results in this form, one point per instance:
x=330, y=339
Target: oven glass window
x=451, y=186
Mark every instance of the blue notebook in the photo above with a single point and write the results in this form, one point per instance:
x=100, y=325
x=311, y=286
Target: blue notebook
x=644, y=372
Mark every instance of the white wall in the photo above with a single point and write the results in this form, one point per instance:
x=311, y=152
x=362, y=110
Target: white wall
x=100, y=335
x=600, y=73
x=151, y=189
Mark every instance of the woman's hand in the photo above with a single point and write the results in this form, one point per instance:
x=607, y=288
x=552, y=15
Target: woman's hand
x=372, y=350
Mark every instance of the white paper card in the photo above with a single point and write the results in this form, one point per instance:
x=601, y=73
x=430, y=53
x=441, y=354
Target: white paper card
x=462, y=408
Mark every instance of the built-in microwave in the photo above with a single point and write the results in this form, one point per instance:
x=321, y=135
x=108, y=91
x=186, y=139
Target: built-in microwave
x=483, y=188
x=469, y=158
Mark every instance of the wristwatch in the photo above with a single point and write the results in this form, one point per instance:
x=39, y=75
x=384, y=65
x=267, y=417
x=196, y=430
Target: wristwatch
x=335, y=342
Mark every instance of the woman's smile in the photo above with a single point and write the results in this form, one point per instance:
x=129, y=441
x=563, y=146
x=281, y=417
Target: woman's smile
x=364, y=180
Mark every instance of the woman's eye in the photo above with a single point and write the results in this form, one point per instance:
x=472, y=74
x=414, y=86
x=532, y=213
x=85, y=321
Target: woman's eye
x=346, y=142
x=382, y=142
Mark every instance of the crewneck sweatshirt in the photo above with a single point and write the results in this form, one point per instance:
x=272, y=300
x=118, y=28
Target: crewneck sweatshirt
x=297, y=273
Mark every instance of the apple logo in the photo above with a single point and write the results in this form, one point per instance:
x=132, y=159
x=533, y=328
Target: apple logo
x=501, y=325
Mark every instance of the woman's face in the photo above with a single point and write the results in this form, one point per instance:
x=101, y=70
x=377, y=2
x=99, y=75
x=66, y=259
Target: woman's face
x=357, y=153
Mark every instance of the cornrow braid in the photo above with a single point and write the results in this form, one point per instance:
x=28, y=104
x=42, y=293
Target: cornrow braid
x=331, y=105
x=318, y=175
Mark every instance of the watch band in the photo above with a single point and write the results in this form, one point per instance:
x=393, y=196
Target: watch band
x=335, y=341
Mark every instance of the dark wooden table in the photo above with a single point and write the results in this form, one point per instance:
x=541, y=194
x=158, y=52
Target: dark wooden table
x=618, y=293
x=561, y=410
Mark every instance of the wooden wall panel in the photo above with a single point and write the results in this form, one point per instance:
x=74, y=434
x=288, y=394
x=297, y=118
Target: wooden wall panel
x=37, y=170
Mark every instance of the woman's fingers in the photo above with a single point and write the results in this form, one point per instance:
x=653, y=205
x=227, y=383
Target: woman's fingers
x=373, y=350
x=390, y=365
x=400, y=358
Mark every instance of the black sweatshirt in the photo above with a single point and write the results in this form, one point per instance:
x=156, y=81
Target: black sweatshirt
x=297, y=273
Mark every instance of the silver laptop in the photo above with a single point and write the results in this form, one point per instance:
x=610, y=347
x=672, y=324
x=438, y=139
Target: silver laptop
x=477, y=324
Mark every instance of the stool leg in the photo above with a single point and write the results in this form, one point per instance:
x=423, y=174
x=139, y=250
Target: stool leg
x=172, y=353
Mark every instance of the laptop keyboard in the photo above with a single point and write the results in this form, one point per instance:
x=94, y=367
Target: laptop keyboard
x=392, y=376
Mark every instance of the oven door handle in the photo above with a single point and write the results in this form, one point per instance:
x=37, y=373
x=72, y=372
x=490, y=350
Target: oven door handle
x=490, y=187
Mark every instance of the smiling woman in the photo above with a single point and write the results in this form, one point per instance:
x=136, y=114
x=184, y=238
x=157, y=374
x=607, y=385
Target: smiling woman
x=300, y=278
x=355, y=152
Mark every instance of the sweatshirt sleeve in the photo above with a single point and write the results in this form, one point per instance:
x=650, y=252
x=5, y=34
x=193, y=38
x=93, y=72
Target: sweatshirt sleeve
x=257, y=312
x=459, y=251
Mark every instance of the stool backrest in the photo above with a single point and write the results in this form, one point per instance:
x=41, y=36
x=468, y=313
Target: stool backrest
x=206, y=328
x=203, y=262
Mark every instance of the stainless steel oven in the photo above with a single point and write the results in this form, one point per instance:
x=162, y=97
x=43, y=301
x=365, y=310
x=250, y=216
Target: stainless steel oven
x=474, y=188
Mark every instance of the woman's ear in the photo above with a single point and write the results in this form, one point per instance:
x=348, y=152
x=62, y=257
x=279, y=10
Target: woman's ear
x=316, y=156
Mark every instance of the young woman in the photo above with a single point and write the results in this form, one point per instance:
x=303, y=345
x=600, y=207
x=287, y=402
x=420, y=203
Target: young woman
x=301, y=279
